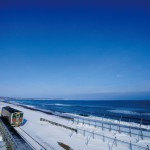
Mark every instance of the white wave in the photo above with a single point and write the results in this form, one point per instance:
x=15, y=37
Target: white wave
x=57, y=105
x=31, y=106
x=124, y=112
x=148, y=114
x=128, y=112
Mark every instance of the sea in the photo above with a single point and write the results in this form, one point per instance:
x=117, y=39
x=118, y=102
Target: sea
x=127, y=110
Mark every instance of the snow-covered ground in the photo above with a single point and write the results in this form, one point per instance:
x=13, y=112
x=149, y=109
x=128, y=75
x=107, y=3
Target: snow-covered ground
x=49, y=135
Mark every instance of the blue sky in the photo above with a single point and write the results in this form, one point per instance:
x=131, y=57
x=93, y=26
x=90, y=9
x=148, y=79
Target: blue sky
x=75, y=49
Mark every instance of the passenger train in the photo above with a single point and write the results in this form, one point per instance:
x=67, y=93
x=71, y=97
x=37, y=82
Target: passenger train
x=13, y=116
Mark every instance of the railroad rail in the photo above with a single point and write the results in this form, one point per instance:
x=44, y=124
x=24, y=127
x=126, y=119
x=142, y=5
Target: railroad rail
x=35, y=145
x=18, y=139
x=14, y=141
x=32, y=141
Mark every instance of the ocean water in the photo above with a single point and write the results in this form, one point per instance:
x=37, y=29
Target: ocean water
x=127, y=110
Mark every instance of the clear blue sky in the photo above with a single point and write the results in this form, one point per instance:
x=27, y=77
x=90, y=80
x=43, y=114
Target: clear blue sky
x=64, y=49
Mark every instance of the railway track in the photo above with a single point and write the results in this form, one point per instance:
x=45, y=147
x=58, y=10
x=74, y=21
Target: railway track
x=23, y=140
x=21, y=144
x=34, y=144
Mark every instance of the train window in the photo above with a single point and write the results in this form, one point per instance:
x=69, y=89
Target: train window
x=17, y=115
x=14, y=115
x=21, y=115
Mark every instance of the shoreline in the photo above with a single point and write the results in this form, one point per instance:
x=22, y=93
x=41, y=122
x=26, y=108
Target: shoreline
x=108, y=116
x=69, y=116
x=39, y=110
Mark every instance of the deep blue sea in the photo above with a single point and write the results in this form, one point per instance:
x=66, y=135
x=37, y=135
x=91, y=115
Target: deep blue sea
x=110, y=109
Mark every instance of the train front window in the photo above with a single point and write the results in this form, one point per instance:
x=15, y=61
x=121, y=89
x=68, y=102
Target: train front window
x=17, y=115
x=14, y=115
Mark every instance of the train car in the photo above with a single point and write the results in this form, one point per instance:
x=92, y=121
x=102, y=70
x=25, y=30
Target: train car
x=13, y=116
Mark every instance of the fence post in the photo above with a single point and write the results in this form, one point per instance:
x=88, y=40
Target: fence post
x=110, y=127
x=103, y=117
x=141, y=134
x=102, y=121
x=93, y=134
x=119, y=124
x=120, y=119
x=130, y=145
x=119, y=128
x=138, y=136
x=115, y=141
x=89, y=122
x=147, y=148
x=103, y=138
x=129, y=129
x=102, y=125
x=109, y=146
x=141, y=122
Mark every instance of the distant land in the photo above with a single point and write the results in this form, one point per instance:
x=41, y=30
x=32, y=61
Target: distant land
x=20, y=98
x=89, y=96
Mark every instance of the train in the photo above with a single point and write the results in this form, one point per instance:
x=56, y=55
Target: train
x=13, y=116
